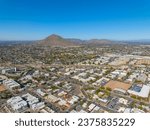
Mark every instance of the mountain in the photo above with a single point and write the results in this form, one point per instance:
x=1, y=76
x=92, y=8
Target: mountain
x=99, y=41
x=56, y=41
x=77, y=41
x=92, y=41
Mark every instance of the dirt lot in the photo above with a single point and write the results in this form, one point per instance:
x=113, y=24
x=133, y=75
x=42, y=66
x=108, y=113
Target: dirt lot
x=2, y=88
x=116, y=84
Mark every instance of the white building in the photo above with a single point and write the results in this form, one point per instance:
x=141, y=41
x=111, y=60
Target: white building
x=17, y=104
x=14, y=100
x=30, y=99
x=40, y=92
x=11, y=84
x=136, y=110
x=144, y=92
x=62, y=93
x=91, y=107
x=123, y=101
x=73, y=99
x=96, y=109
x=37, y=106
x=18, y=107
x=8, y=70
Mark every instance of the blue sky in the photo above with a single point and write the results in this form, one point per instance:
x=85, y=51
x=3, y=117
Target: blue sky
x=85, y=19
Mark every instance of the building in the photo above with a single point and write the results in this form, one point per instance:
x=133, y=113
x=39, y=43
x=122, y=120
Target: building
x=17, y=104
x=123, y=101
x=20, y=106
x=62, y=93
x=140, y=91
x=11, y=84
x=120, y=91
x=121, y=109
x=143, y=61
x=101, y=82
x=52, y=98
x=142, y=77
x=38, y=106
x=73, y=100
x=14, y=100
x=8, y=70
x=96, y=109
x=40, y=92
x=30, y=99
x=91, y=107
x=136, y=110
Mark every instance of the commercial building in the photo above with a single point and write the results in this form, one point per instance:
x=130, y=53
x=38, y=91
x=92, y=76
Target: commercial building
x=17, y=104
x=140, y=90
x=30, y=99
x=8, y=70
x=11, y=84
x=38, y=106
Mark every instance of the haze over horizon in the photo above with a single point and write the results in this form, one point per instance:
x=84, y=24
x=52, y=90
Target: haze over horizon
x=83, y=19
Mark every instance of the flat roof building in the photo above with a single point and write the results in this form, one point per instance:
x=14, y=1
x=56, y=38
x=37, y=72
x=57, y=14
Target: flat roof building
x=17, y=104
x=11, y=84
x=142, y=91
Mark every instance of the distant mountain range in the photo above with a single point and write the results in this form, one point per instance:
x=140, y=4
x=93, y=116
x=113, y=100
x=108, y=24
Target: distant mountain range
x=58, y=41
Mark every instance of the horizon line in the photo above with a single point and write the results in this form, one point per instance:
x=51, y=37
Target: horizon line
x=144, y=39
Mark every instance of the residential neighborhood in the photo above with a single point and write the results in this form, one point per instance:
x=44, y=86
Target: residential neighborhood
x=78, y=80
